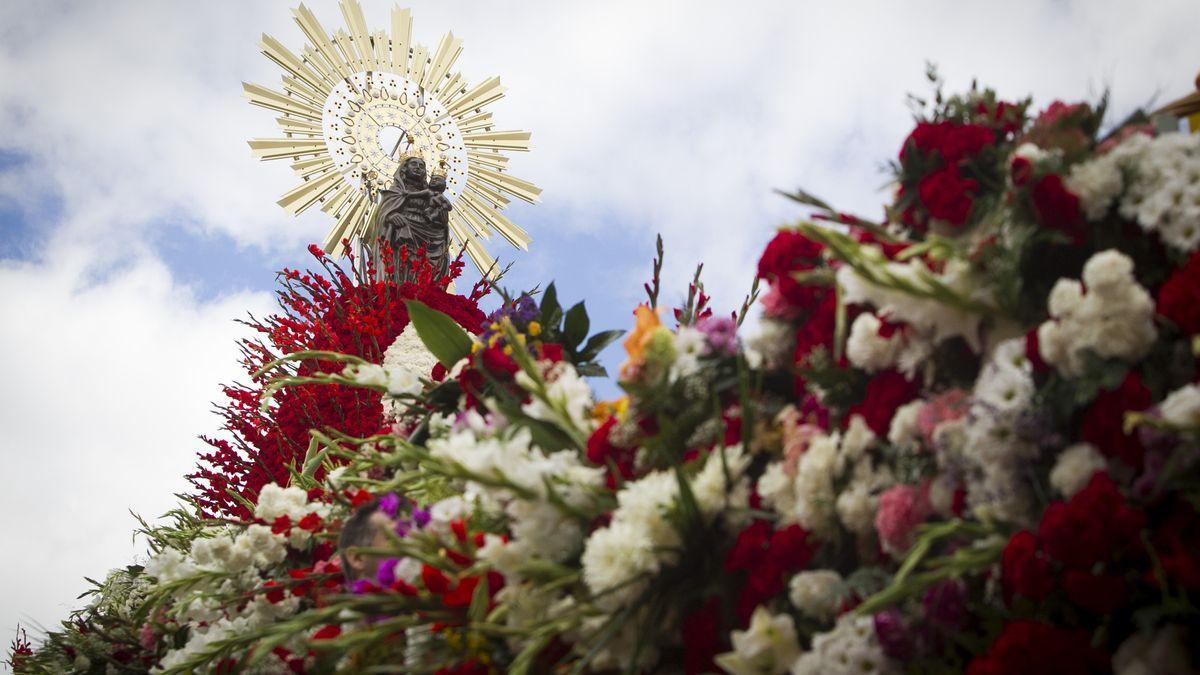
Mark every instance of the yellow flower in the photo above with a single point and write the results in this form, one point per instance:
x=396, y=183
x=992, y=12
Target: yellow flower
x=535, y=328
x=508, y=350
x=476, y=346
x=605, y=409
x=636, y=343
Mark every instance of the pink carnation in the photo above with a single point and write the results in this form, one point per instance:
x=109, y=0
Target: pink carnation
x=901, y=509
x=945, y=407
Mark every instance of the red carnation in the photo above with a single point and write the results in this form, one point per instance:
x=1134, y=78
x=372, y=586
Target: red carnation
x=1034, y=648
x=953, y=142
x=1103, y=423
x=788, y=253
x=1021, y=170
x=1024, y=570
x=1177, y=299
x=435, y=581
x=702, y=637
x=1100, y=593
x=1096, y=525
x=886, y=392
x=947, y=195
x=1057, y=208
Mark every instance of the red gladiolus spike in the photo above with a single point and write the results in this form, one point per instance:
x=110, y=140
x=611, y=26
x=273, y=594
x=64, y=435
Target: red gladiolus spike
x=328, y=632
x=459, y=558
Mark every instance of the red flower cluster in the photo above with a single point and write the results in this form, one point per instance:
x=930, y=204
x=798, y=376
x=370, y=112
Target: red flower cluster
x=1177, y=299
x=359, y=315
x=886, y=392
x=1083, y=545
x=787, y=254
x=944, y=192
x=1035, y=648
x=603, y=452
x=1103, y=423
x=768, y=557
x=1057, y=208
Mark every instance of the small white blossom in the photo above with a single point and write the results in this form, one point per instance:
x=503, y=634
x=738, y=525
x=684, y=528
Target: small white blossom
x=1182, y=406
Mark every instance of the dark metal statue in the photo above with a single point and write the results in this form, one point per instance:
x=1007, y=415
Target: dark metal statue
x=415, y=213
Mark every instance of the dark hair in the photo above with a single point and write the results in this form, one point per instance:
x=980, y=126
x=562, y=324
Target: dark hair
x=358, y=530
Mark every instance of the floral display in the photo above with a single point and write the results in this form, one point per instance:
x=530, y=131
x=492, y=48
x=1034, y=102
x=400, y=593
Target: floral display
x=961, y=439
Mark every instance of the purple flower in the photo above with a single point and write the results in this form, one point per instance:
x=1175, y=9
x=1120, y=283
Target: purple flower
x=893, y=635
x=521, y=311
x=403, y=527
x=361, y=586
x=389, y=503
x=946, y=604
x=420, y=516
x=387, y=572
x=721, y=332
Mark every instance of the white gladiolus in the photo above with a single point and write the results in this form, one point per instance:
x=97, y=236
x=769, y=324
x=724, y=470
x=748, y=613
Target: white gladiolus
x=768, y=645
x=1182, y=407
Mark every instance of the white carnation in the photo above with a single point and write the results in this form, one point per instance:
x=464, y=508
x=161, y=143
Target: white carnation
x=1114, y=319
x=1075, y=467
x=904, y=432
x=615, y=556
x=867, y=349
x=817, y=593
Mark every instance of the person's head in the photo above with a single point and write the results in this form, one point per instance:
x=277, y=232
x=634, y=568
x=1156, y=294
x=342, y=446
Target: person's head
x=413, y=167
x=365, y=528
x=437, y=182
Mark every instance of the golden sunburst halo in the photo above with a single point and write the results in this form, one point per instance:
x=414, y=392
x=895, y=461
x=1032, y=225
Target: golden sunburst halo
x=354, y=103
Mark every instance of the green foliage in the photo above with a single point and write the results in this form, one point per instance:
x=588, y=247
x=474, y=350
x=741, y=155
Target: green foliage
x=442, y=336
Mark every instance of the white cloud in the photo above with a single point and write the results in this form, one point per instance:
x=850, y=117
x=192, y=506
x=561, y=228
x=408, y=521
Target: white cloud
x=106, y=388
x=676, y=117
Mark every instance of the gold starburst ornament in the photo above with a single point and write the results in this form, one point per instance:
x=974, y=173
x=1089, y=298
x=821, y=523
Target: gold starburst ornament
x=355, y=103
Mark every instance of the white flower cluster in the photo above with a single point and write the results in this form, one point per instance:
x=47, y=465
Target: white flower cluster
x=1153, y=181
x=981, y=449
x=767, y=646
x=807, y=494
x=487, y=448
x=231, y=562
x=771, y=345
x=619, y=560
x=399, y=380
x=851, y=648
x=275, y=501
x=406, y=353
x=930, y=321
x=566, y=392
x=690, y=345
x=1113, y=317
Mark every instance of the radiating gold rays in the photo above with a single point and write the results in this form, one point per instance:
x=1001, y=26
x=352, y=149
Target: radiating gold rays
x=330, y=60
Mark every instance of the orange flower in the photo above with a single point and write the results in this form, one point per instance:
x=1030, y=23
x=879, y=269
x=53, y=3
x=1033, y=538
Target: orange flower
x=635, y=344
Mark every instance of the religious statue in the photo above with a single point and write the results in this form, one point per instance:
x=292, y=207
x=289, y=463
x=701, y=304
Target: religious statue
x=415, y=213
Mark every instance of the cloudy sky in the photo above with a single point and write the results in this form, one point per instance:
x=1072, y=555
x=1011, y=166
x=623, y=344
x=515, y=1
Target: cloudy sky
x=135, y=226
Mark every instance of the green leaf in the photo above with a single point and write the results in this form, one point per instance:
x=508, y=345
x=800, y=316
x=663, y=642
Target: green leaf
x=550, y=310
x=576, y=325
x=598, y=342
x=444, y=338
